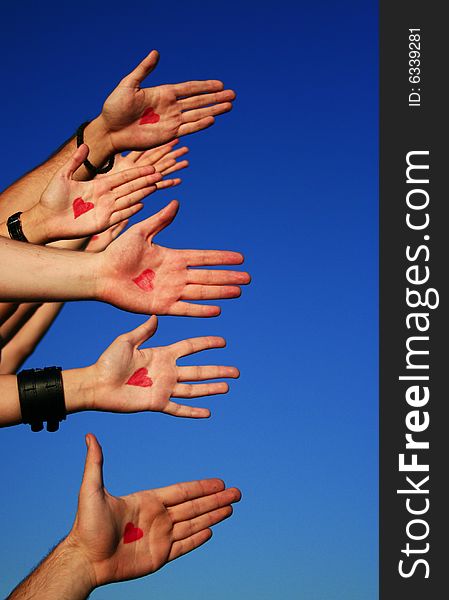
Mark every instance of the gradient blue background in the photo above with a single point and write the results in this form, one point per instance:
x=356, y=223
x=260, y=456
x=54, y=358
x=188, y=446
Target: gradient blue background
x=290, y=179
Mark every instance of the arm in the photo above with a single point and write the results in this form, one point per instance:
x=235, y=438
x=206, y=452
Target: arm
x=133, y=273
x=126, y=537
x=128, y=379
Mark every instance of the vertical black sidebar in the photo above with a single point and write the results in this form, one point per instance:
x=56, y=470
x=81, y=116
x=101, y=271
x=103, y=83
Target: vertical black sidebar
x=414, y=309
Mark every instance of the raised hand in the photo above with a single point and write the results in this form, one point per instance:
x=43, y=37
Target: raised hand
x=139, y=276
x=163, y=159
x=131, y=536
x=71, y=209
x=137, y=118
x=130, y=379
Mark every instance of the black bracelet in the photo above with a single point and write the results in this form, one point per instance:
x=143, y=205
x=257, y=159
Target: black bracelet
x=15, y=228
x=93, y=170
x=41, y=397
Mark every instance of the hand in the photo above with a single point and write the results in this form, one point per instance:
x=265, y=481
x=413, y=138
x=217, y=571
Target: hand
x=163, y=159
x=101, y=241
x=129, y=379
x=73, y=209
x=131, y=536
x=138, y=118
x=139, y=276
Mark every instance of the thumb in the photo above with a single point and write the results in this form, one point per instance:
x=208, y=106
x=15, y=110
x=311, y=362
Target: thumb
x=161, y=220
x=76, y=160
x=142, y=333
x=142, y=70
x=93, y=467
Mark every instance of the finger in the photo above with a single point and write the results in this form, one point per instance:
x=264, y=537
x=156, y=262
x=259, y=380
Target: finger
x=119, y=181
x=190, y=527
x=189, y=490
x=116, y=230
x=197, y=390
x=75, y=161
x=141, y=334
x=188, y=128
x=134, y=155
x=142, y=70
x=210, y=111
x=153, y=155
x=166, y=183
x=206, y=100
x=187, y=309
x=190, y=412
x=199, y=258
x=126, y=213
x=162, y=219
x=183, y=164
x=200, y=506
x=197, y=344
x=189, y=88
x=215, y=277
x=191, y=543
x=173, y=154
x=134, y=198
x=93, y=467
x=166, y=163
x=202, y=373
x=210, y=292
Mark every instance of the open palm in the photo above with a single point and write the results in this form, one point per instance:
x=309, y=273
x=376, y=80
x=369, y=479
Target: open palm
x=74, y=209
x=140, y=276
x=131, y=536
x=138, y=118
x=129, y=379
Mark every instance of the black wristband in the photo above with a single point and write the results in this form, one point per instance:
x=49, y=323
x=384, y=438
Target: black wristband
x=93, y=170
x=15, y=228
x=41, y=397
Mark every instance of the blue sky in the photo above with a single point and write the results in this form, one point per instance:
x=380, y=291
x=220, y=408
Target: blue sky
x=289, y=178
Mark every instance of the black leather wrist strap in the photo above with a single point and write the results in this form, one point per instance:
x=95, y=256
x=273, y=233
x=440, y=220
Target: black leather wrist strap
x=93, y=170
x=15, y=228
x=41, y=397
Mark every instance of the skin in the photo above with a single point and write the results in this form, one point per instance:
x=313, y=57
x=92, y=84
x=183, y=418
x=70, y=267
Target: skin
x=174, y=520
x=104, y=385
x=111, y=199
x=184, y=108
x=33, y=273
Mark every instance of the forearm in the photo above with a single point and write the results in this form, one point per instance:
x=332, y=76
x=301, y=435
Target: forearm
x=63, y=575
x=33, y=273
x=20, y=340
x=79, y=394
x=25, y=193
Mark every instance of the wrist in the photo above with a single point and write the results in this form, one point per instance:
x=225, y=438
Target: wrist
x=35, y=225
x=79, y=389
x=71, y=552
x=97, y=137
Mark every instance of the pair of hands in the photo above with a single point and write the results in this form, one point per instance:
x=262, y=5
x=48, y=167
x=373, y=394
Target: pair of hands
x=70, y=209
x=132, y=118
x=120, y=538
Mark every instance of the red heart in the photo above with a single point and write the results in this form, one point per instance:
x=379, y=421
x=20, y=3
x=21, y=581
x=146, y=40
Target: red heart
x=132, y=534
x=140, y=378
x=145, y=279
x=80, y=207
x=149, y=116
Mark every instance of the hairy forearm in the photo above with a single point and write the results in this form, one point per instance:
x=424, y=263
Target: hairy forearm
x=33, y=273
x=63, y=575
x=21, y=339
x=79, y=394
x=25, y=193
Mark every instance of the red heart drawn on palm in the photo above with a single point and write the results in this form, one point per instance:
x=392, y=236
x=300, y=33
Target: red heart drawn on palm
x=140, y=378
x=132, y=534
x=80, y=207
x=145, y=280
x=149, y=116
